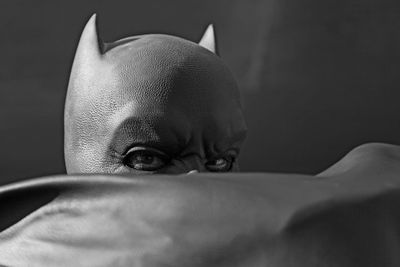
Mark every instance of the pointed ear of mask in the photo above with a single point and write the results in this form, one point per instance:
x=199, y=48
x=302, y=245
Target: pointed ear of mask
x=88, y=54
x=82, y=84
x=208, y=39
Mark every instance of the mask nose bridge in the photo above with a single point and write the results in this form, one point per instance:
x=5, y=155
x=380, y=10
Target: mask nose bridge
x=192, y=163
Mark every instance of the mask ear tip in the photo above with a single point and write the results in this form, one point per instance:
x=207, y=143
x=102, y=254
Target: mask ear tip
x=92, y=17
x=92, y=22
x=90, y=43
x=208, y=39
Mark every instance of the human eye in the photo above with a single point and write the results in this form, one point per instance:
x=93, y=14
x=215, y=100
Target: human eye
x=145, y=159
x=220, y=164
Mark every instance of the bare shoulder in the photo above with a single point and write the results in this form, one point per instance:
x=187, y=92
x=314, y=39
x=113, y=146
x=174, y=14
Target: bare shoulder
x=366, y=156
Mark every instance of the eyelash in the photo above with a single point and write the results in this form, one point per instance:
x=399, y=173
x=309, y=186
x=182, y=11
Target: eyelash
x=228, y=155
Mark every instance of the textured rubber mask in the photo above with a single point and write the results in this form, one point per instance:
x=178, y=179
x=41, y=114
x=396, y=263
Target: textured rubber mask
x=151, y=104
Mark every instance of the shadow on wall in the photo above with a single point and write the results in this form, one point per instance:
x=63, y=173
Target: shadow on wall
x=317, y=77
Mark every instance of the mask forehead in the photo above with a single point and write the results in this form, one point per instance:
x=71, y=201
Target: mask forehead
x=161, y=68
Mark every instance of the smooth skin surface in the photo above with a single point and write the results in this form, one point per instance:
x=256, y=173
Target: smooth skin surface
x=150, y=104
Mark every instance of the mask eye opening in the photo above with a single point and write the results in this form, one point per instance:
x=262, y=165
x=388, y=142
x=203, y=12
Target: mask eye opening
x=140, y=158
x=220, y=164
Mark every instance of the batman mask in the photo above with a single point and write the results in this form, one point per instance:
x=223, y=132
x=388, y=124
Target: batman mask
x=151, y=104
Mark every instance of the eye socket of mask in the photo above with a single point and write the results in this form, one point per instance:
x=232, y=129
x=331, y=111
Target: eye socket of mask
x=148, y=159
x=145, y=159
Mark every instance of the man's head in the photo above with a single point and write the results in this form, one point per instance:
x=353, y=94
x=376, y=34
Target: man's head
x=151, y=104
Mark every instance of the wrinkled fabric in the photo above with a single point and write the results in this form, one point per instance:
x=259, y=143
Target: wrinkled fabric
x=348, y=215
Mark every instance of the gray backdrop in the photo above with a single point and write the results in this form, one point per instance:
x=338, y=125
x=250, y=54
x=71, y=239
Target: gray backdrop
x=317, y=77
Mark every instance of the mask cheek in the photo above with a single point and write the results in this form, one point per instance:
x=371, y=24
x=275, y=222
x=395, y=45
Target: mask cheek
x=92, y=160
x=185, y=165
x=81, y=161
x=174, y=167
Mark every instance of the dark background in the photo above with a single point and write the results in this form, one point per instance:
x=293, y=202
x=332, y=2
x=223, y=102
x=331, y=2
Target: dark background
x=317, y=77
